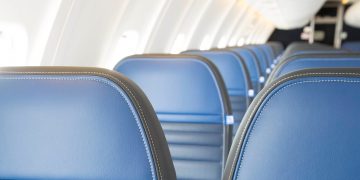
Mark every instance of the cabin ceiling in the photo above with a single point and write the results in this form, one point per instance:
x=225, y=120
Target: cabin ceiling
x=286, y=14
x=100, y=33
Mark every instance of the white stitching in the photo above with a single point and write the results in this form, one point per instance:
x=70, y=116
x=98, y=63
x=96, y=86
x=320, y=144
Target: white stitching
x=260, y=101
x=119, y=81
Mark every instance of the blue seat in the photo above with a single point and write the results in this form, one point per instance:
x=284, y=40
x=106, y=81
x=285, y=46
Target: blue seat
x=236, y=78
x=307, y=52
x=261, y=57
x=270, y=56
x=351, y=46
x=191, y=102
x=304, y=46
x=253, y=65
x=78, y=123
x=303, y=126
x=309, y=61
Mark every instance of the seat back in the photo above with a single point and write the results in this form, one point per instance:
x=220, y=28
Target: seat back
x=270, y=56
x=310, y=61
x=303, y=126
x=277, y=47
x=304, y=46
x=253, y=66
x=261, y=57
x=236, y=77
x=78, y=123
x=351, y=45
x=191, y=102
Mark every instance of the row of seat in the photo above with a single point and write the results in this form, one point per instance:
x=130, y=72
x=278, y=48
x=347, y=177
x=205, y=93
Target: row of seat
x=173, y=116
x=63, y=122
x=200, y=98
x=304, y=123
x=351, y=46
x=190, y=157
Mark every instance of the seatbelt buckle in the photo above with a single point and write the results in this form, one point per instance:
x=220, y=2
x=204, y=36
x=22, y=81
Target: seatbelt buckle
x=229, y=120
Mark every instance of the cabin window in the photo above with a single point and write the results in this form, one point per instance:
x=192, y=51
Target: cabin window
x=13, y=45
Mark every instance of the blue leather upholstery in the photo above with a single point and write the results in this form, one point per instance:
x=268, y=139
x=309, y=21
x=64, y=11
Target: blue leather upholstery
x=351, y=45
x=261, y=57
x=191, y=102
x=252, y=65
x=304, y=46
x=311, y=61
x=270, y=56
x=315, y=139
x=78, y=123
x=314, y=52
x=236, y=77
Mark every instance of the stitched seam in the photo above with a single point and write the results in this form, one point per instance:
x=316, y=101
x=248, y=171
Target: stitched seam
x=268, y=101
x=117, y=80
x=238, y=146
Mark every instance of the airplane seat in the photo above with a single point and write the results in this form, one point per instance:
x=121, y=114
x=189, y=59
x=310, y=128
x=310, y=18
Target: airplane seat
x=261, y=57
x=236, y=77
x=303, y=126
x=191, y=102
x=270, y=56
x=253, y=66
x=295, y=47
x=316, y=60
x=351, y=46
x=78, y=123
x=277, y=47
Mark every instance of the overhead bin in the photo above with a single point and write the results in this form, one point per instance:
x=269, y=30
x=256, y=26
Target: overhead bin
x=287, y=14
x=352, y=15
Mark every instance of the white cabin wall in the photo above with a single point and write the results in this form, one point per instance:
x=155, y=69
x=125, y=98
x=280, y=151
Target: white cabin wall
x=190, y=23
x=84, y=33
x=209, y=24
x=165, y=33
x=36, y=18
x=100, y=33
x=234, y=16
x=140, y=17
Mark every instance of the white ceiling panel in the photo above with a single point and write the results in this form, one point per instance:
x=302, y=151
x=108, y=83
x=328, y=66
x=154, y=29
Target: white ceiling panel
x=286, y=14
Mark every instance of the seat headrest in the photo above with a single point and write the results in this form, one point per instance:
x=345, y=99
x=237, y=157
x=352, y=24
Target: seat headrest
x=304, y=125
x=78, y=123
x=232, y=69
x=185, y=84
x=302, y=46
x=316, y=60
x=351, y=45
